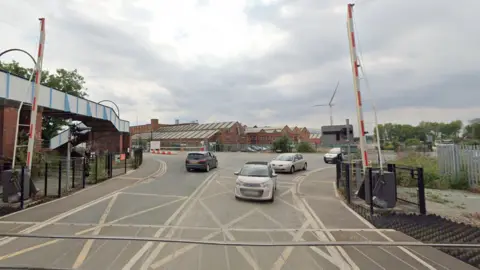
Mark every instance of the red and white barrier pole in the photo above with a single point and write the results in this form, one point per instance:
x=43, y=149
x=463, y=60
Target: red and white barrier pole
x=356, y=84
x=36, y=90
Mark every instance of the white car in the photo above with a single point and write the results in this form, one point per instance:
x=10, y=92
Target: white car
x=333, y=155
x=289, y=163
x=257, y=181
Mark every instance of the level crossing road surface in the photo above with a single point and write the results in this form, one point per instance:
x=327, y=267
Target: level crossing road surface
x=163, y=200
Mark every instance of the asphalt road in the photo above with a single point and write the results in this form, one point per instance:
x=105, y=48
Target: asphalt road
x=166, y=201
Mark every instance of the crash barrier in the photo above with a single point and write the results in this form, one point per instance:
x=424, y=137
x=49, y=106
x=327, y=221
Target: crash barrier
x=176, y=150
x=163, y=152
x=397, y=201
x=53, y=177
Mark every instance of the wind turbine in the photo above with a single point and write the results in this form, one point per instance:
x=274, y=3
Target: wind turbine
x=330, y=104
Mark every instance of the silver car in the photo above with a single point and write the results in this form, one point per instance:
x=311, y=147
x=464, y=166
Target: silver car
x=256, y=181
x=290, y=162
x=334, y=155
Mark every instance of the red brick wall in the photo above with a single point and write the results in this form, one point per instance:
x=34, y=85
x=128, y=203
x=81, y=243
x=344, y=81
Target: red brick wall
x=8, y=121
x=109, y=141
x=154, y=125
x=231, y=135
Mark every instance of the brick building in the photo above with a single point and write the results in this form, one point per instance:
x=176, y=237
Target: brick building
x=267, y=135
x=8, y=125
x=191, y=134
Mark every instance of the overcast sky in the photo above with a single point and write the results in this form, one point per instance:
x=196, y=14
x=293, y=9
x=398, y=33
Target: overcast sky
x=260, y=62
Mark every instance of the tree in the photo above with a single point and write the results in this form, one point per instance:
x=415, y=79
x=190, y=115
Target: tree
x=70, y=82
x=283, y=144
x=401, y=133
x=305, y=147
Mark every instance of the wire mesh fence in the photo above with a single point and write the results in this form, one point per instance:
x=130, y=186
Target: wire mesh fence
x=53, y=177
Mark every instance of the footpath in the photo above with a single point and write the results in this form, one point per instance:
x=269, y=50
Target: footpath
x=333, y=214
x=51, y=209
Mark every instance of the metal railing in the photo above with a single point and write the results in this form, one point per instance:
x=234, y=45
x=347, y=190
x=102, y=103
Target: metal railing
x=51, y=177
x=409, y=189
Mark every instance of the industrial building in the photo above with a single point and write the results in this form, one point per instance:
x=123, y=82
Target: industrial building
x=192, y=134
x=335, y=135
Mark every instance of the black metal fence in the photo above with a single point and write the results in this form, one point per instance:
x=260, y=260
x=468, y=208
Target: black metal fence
x=404, y=187
x=409, y=196
x=53, y=177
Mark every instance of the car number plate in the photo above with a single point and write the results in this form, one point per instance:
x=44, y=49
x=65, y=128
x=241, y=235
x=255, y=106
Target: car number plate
x=251, y=193
x=194, y=162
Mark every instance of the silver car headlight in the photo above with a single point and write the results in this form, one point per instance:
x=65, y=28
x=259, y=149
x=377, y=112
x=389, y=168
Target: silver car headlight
x=239, y=183
x=266, y=184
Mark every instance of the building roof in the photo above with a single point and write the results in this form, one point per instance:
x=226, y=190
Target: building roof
x=265, y=129
x=192, y=127
x=192, y=131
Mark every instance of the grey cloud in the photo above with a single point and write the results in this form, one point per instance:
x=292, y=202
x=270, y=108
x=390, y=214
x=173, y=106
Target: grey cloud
x=318, y=40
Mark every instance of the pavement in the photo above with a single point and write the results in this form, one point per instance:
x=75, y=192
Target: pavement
x=161, y=199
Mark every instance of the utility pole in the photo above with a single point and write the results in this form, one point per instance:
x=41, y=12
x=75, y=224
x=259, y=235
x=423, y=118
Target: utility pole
x=69, y=151
x=356, y=85
x=348, y=141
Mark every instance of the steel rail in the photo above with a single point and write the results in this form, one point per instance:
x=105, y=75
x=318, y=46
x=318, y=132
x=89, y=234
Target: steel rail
x=240, y=243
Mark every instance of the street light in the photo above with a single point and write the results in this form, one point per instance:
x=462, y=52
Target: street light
x=21, y=102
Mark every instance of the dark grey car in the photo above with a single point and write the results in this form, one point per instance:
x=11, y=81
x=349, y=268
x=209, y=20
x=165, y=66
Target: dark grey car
x=201, y=161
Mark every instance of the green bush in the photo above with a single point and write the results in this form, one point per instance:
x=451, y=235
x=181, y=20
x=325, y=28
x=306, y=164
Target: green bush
x=431, y=175
x=282, y=144
x=305, y=147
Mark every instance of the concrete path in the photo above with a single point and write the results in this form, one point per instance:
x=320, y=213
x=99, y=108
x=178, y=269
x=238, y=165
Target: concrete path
x=163, y=200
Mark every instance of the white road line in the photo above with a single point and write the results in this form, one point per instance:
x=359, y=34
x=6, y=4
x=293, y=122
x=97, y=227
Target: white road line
x=388, y=252
x=286, y=192
x=369, y=225
x=88, y=245
x=303, y=230
x=329, y=236
x=230, y=237
x=76, y=193
x=153, y=195
x=148, y=245
x=159, y=247
x=70, y=212
x=134, y=225
x=287, y=251
x=184, y=249
x=215, y=195
x=45, y=244
x=322, y=236
x=287, y=203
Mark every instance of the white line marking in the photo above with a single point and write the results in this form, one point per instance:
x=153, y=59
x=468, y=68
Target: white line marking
x=317, y=223
x=285, y=192
x=76, y=193
x=369, y=225
x=88, y=245
x=31, y=248
x=304, y=229
x=159, y=247
x=230, y=236
x=134, y=225
x=215, y=195
x=184, y=249
x=153, y=195
x=148, y=245
x=287, y=251
x=70, y=212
